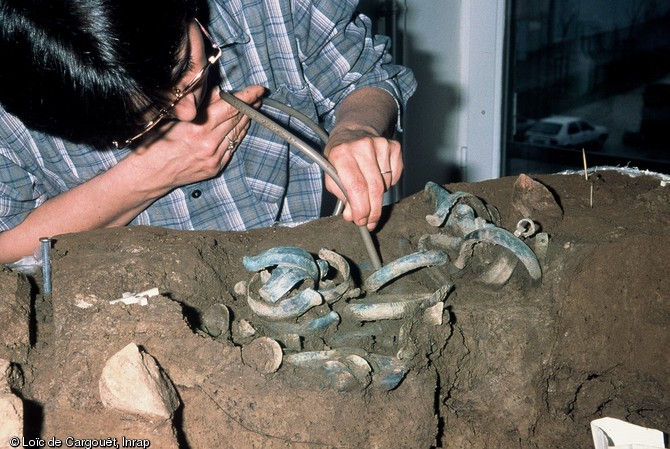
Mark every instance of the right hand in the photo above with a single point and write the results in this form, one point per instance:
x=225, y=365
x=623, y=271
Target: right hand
x=188, y=152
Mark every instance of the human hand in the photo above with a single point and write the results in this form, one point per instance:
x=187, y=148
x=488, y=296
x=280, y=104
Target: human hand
x=367, y=165
x=187, y=152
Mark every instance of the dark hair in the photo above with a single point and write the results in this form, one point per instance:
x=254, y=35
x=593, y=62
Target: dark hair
x=90, y=70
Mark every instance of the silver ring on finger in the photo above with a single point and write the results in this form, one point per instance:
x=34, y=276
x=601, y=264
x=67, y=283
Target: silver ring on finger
x=231, y=143
x=386, y=172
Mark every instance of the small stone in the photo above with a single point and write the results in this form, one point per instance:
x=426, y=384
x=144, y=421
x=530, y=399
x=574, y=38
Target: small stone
x=263, y=354
x=216, y=320
x=433, y=315
x=533, y=200
x=132, y=382
x=244, y=329
x=11, y=417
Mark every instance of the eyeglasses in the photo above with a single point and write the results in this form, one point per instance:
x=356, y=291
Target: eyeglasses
x=179, y=93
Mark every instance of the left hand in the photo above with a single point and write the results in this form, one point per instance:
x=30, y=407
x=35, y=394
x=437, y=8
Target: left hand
x=367, y=165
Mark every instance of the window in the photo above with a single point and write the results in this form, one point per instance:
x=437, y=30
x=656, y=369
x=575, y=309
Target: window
x=605, y=63
x=490, y=70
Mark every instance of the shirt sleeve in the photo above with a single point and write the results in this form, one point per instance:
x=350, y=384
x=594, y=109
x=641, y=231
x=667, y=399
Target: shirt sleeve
x=17, y=194
x=22, y=187
x=339, y=54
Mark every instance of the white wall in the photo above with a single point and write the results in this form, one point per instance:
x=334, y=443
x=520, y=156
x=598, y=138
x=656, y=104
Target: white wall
x=453, y=123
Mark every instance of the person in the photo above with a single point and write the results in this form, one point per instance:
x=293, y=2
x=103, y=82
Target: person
x=110, y=115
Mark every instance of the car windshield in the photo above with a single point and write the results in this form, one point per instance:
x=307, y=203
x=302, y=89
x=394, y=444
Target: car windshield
x=547, y=128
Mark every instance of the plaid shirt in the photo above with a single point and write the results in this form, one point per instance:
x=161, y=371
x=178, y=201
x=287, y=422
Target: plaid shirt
x=309, y=54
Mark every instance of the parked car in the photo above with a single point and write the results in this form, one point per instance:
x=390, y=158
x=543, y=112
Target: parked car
x=567, y=132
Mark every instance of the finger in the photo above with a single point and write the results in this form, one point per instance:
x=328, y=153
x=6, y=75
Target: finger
x=249, y=94
x=396, y=162
x=375, y=214
x=376, y=199
x=220, y=110
x=237, y=134
x=232, y=140
x=356, y=199
x=389, y=157
x=232, y=129
x=240, y=125
x=386, y=169
x=389, y=160
x=333, y=188
x=365, y=189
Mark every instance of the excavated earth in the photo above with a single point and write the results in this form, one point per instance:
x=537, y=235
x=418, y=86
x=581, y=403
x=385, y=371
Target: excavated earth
x=519, y=365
